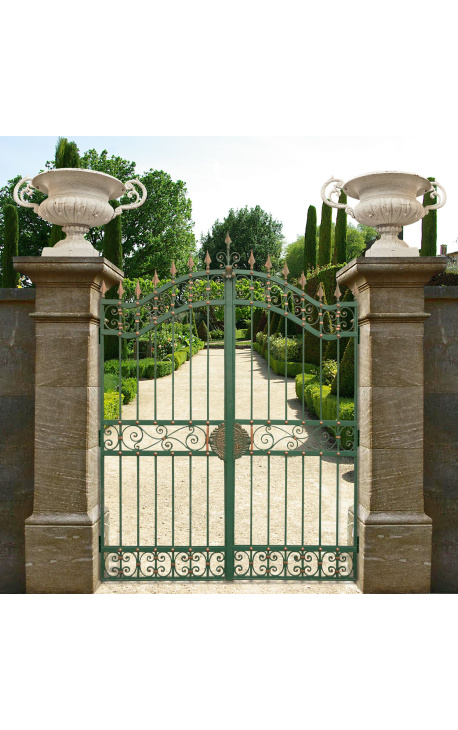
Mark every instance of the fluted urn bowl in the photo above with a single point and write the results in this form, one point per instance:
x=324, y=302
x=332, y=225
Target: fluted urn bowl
x=388, y=201
x=77, y=200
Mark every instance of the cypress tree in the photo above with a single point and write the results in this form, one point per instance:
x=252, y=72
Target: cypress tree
x=10, y=277
x=324, y=245
x=340, y=243
x=429, y=227
x=67, y=155
x=310, y=240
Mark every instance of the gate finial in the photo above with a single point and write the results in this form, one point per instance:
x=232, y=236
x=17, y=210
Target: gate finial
x=120, y=290
x=190, y=263
x=251, y=260
x=337, y=292
x=207, y=260
x=138, y=291
x=155, y=279
x=285, y=271
x=320, y=292
x=302, y=280
x=173, y=269
x=268, y=263
x=227, y=240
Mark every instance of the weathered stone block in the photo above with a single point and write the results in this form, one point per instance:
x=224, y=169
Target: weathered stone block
x=67, y=352
x=67, y=417
x=391, y=417
x=391, y=479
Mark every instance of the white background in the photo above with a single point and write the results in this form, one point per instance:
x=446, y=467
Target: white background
x=239, y=68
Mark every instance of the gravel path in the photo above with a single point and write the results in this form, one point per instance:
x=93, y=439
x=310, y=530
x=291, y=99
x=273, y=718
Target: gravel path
x=283, y=404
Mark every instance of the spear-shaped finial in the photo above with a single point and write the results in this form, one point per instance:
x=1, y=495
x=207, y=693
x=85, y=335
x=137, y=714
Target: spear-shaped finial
x=120, y=290
x=268, y=263
x=207, y=260
x=173, y=269
x=138, y=291
x=285, y=271
x=251, y=260
x=103, y=288
x=302, y=280
x=320, y=292
x=155, y=279
x=190, y=263
x=337, y=292
x=227, y=240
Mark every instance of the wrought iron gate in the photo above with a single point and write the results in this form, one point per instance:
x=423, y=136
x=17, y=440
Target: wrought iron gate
x=250, y=493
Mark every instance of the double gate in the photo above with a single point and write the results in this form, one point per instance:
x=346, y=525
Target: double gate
x=219, y=469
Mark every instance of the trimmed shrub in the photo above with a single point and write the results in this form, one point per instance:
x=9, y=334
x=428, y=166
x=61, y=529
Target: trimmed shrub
x=110, y=382
x=10, y=277
x=111, y=406
x=329, y=371
x=217, y=334
x=346, y=373
x=128, y=389
x=311, y=385
x=292, y=349
x=202, y=331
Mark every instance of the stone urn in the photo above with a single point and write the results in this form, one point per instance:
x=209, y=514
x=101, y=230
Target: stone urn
x=388, y=201
x=77, y=200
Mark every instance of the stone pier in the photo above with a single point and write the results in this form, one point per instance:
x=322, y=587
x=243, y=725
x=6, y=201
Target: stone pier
x=62, y=534
x=394, y=531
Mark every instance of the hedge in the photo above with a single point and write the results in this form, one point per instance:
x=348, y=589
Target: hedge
x=111, y=406
x=278, y=366
x=346, y=372
x=147, y=367
x=329, y=401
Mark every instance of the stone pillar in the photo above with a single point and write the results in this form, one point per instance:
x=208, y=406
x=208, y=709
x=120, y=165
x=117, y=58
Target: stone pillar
x=394, y=531
x=62, y=534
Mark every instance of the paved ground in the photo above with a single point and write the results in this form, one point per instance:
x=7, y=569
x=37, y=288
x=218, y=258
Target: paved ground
x=269, y=391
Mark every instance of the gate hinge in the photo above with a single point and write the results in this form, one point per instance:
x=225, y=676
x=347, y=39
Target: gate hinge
x=100, y=543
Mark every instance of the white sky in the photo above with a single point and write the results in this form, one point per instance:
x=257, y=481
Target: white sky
x=281, y=174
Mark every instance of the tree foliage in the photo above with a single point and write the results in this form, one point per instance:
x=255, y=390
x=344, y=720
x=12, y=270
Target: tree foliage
x=295, y=257
x=309, y=260
x=429, y=227
x=250, y=229
x=154, y=235
x=10, y=277
x=324, y=243
x=340, y=241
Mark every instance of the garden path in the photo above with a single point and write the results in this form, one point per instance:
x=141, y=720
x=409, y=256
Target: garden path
x=283, y=403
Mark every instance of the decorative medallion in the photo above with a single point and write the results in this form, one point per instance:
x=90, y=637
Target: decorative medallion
x=218, y=441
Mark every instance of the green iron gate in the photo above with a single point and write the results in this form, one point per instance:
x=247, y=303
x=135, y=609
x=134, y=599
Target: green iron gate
x=205, y=492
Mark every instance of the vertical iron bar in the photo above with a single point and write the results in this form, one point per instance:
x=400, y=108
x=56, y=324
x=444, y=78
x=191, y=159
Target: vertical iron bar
x=120, y=418
x=286, y=499
x=302, y=523
x=338, y=438
x=173, y=500
x=155, y=500
x=208, y=405
x=102, y=438
x=137, y=327
x=229, y=419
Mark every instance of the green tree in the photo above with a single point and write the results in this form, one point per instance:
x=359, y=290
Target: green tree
x=324, y=243
x=295, y=257
x=429, y=227
x=112, y=241
x=340, y=242
x=10, y=277
x=250, y=229
x=67, y=155
x=357, y=239
x=309, y=260
x=154, y=235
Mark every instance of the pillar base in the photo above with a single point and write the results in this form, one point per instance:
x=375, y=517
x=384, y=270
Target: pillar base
x=394, y=552
x=62, y=554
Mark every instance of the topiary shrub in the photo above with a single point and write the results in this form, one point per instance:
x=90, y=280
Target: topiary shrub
x=128, y=389
x=202, y=331
x=111, y=406
x=346, y=373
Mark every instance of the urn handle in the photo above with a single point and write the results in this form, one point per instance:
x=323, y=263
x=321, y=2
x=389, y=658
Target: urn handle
x=28, y=190
x=131, y=192
x=441, y=199
x=336, y=190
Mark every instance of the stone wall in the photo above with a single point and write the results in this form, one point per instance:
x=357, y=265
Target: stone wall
x=17, y=404
x=441, y=433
